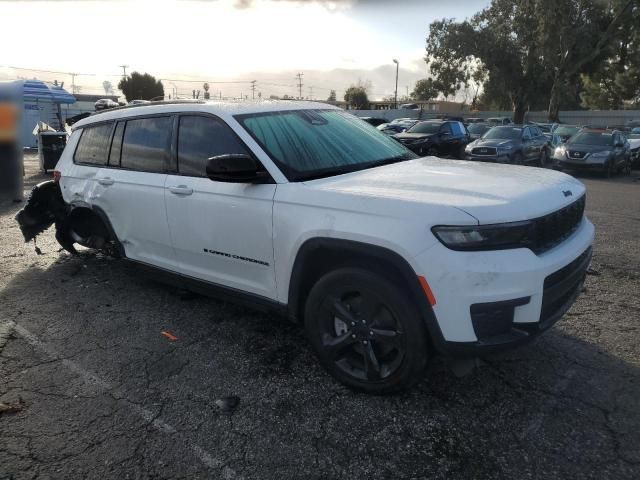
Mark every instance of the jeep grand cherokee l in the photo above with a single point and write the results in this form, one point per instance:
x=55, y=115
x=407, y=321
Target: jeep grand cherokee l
x=383, y=256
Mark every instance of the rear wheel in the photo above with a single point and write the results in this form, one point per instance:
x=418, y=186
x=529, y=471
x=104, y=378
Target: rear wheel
x=608, y=169
x=432, y=152
x=366, y=331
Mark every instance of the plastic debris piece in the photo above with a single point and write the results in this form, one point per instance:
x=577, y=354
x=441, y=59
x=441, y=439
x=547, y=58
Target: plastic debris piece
x=169, y=335
x=12, y=407
x=228, y=405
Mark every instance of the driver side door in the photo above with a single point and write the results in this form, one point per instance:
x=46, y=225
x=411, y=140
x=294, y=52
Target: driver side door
x=222, y=232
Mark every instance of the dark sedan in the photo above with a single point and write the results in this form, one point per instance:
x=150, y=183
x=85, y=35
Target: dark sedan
x=477, y=130
x=437, y=138
x=606, y=151
x=517, y=144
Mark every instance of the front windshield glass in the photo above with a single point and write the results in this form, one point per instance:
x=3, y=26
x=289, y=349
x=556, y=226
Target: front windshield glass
x=566, y=131
x=592, y=138
x=425, y=127
x=477, y=128
x=503, y=133
x=309, y=144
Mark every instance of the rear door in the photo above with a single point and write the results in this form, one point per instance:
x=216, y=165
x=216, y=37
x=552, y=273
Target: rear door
x=131, y=189
x=222, y=232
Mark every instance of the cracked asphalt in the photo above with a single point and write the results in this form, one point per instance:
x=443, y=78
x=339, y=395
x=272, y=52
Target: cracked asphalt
x=103, y=394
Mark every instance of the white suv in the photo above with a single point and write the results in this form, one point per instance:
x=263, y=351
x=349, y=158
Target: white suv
x=303, y=208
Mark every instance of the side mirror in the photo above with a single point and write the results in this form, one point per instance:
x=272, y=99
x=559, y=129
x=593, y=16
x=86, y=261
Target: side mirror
x=235, y=168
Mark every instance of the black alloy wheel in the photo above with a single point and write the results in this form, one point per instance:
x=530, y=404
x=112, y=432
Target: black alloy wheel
x=366, y=331
x=543, y=157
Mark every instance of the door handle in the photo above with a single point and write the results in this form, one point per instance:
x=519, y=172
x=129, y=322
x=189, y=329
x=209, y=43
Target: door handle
x=181, y=190
x=106, y=181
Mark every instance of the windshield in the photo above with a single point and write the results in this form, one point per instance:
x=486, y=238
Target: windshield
x=566, y=131
x=309, y=144
x=592, y=138
x=503, y=133
x=425, y=127
x=477, y=128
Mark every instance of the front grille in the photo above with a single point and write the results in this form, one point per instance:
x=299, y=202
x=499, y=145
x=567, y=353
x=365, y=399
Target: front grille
x=577, y=155
x=561, y=287
x=484, y=151
x=552, y=229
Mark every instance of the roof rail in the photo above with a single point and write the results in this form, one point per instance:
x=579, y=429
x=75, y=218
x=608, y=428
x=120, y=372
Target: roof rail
x=157, y=102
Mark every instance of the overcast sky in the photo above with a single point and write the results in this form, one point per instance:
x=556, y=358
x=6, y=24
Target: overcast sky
x=334, y=43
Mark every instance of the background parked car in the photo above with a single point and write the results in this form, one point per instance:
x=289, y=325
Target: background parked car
x=393, y=128
x=374, y=120
x=468, y=121
x=606, y=151
x=517, y=144
x=105, y=103
x=138, y=102
x=434, y=137
x=499, y=121
x=634, y=147
x=476, y=130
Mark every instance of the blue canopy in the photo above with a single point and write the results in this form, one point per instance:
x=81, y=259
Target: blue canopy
x=38, y=90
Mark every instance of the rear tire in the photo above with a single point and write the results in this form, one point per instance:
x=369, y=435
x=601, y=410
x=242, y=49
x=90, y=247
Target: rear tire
x=543, y=158
x=365, y=331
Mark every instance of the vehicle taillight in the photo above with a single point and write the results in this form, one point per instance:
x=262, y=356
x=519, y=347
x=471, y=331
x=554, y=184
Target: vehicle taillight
x=56, y=176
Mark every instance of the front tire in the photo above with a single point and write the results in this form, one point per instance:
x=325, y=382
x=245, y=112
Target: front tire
x=365, y=331
x=543, y=158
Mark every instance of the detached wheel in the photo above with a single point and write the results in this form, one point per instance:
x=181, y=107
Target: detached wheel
x=365, y=331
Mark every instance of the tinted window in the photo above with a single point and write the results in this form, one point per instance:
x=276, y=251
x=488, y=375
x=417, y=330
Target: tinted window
x=503, y=133
x=446, y=128
x=116, y=146
x=93, y=145
x=425, y=127
x=146, y=144
x=457, y=128
x=200, y=138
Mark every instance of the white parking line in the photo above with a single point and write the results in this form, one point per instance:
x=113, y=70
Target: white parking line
x=92, y=379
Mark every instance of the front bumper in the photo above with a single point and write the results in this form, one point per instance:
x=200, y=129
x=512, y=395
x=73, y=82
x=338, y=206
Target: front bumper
x=499, y=158
x=583, y=164
x=489, y=301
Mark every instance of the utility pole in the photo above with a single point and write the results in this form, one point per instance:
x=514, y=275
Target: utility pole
x=299, y=75
x=253, y=89
x=124, y=70
x=73, y=82
x=396, y=94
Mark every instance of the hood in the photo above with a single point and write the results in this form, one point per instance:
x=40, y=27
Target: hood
x=494, y=142
x=492, y=193
x=413, y=136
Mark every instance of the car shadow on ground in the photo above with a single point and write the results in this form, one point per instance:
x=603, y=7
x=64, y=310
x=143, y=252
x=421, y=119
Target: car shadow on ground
x=561, y=405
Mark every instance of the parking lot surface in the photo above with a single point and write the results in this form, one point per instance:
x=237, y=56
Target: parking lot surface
x=98, y=391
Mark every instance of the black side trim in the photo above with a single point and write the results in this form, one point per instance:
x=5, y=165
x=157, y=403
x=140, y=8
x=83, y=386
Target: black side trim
x=356, y=249
x=209, y=289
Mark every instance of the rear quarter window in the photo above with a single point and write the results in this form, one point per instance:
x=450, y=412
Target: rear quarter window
x=93, y=145
x=146, y=144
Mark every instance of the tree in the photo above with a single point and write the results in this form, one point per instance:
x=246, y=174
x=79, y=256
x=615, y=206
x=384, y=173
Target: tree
x=532, y=51
x=108, y=87
x=424, y=90
x=332, y=96
x=356, y=97
x=140, y=86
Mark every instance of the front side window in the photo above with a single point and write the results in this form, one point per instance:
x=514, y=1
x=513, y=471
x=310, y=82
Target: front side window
x=200, y=138
x=146, y=142
x=93, y=145
x=308, y=144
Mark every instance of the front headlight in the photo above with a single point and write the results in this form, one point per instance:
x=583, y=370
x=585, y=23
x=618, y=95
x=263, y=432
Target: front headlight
x=486, y=237
x=604, y=154
x=559, y=152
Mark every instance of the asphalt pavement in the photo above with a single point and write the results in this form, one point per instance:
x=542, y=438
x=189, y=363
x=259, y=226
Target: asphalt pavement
x=108, y=375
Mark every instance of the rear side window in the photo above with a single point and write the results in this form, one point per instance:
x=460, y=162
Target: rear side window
x=457, y=128
x=116, y=146
x=446, y=128
x=146, y=143
x=200, y=138
x=93, y=145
